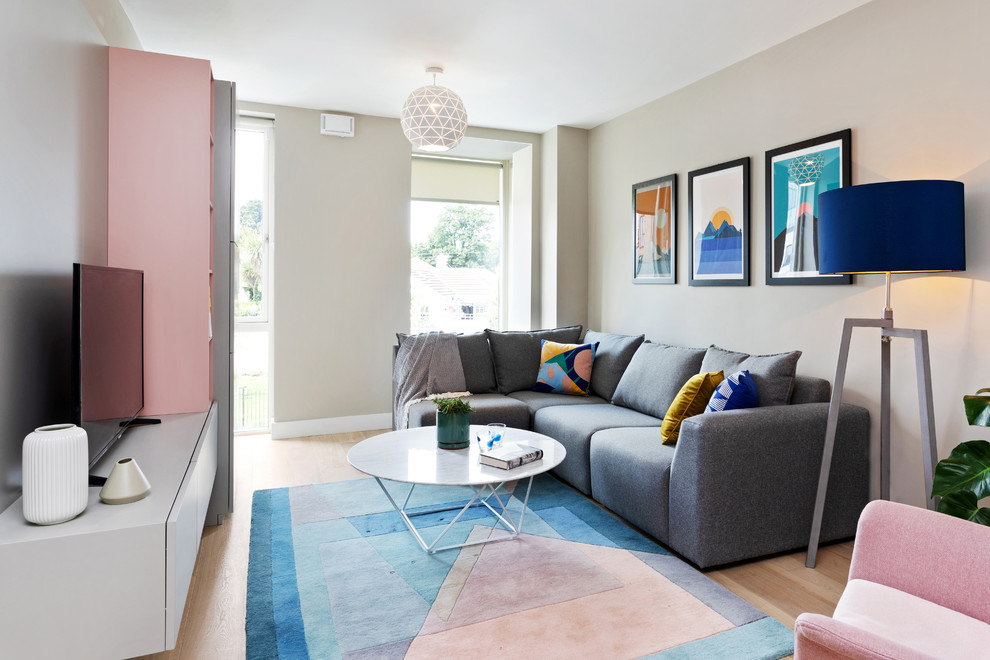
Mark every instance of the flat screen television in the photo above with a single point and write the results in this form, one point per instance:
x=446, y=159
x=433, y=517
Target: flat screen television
x=107, y=352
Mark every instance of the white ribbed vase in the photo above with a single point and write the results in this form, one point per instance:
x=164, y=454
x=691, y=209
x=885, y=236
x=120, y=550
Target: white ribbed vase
x=55, y=470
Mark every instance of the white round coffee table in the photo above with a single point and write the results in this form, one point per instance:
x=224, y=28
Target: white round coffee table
x=412, y=456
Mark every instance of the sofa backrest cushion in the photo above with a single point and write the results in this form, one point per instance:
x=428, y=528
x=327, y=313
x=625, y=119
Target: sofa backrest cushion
x=476, y=358
x=808, y=389
x=655, y=375
x=773, y=374
x=516, y=355
x=611, y=359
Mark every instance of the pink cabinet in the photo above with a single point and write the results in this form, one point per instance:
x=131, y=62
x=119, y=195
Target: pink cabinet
x=160, y=214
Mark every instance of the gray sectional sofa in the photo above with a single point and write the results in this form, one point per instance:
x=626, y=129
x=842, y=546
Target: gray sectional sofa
x=738, y=484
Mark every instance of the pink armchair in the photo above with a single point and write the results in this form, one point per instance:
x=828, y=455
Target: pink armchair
x=919, y=587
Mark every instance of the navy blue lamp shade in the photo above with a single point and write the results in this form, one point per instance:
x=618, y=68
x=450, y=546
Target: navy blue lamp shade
x=895, y=227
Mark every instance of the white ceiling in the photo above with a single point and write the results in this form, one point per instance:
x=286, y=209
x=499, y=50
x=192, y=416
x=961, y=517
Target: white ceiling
x=518, y=64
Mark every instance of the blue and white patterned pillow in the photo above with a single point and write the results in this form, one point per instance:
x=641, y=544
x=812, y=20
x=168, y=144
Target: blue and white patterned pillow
x=737, y=391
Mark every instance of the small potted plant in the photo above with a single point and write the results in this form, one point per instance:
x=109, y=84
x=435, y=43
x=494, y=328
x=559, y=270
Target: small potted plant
x=453, y=420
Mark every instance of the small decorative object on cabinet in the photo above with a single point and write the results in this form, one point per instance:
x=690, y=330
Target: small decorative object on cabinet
x=125, y=484
x=453, y=419
x=55, y=470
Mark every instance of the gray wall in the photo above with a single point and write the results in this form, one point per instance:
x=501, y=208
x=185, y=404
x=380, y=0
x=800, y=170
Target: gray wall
x=53, y=180
x=564, y=223
x=341, y=266
x=910, y=78
x=341, y=258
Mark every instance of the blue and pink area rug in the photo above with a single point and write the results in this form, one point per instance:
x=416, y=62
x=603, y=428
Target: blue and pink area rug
x=334, y=573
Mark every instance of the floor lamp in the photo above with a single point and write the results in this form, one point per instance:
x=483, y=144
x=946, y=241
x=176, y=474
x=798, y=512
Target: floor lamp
x=885, y=228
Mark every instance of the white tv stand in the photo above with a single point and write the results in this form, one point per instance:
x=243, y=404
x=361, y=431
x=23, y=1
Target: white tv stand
x=112, y=583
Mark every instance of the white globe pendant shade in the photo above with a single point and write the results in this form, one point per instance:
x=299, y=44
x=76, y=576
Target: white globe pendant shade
x=433, y=118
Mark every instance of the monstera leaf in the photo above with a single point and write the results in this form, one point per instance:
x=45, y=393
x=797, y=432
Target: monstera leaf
x=962, y=480
x=978, y=407
x=964, y=505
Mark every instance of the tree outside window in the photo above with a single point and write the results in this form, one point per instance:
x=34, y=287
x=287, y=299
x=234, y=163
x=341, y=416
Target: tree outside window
x=250, y=244
x=455, y=281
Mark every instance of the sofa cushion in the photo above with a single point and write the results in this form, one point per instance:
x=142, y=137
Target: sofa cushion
x=539, y=400
x=736, y=392
x=911, y=621
x=808, y=389
x=573, y=426
x=611, y=359
x=476, y=358
x=488, y=408
x=655, y=375
x=516, y=355
x=690, y=401
x=773, y=374
x=630, y=474
x=565, y=368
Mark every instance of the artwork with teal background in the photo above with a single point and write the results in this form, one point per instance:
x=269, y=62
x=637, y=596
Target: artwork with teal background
x=787, y=206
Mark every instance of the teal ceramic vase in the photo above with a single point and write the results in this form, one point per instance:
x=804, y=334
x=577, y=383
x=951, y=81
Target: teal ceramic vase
x=453, y=431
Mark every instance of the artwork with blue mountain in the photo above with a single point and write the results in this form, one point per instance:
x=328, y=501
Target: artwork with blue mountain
x=719, y=247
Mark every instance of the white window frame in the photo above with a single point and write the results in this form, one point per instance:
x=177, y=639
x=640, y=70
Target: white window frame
x=250, y=123
x=501, y=216
x=266, y=321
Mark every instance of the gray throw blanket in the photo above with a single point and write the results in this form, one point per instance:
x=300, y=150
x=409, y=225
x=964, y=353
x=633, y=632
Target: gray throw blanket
x=426, y=364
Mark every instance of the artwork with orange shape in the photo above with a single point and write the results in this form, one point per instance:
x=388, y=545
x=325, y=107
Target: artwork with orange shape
x=654, y=219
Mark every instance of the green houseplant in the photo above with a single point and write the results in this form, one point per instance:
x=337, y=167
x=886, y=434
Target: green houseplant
x=963, y=479
x=453, y=420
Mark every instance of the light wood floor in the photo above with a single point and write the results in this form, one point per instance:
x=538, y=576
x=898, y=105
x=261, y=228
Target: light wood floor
x=213, y=621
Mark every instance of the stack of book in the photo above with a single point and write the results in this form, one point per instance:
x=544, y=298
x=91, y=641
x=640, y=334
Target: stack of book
x=510, y=456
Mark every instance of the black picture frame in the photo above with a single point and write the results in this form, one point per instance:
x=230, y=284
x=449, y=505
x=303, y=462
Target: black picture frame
x=650, y=239
x=716, y=195
x=795, y=175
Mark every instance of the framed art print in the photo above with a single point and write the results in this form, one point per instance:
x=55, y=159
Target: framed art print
x=655, y=231
x=796, y=174
x=718, y=219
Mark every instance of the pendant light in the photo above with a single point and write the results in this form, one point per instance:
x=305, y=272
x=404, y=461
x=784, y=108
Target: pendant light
x=433, y=117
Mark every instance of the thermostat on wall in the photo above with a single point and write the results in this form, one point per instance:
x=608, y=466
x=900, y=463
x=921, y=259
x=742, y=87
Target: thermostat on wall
x=339, y=125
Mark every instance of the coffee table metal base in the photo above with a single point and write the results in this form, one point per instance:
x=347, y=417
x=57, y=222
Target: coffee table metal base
x=479, y=499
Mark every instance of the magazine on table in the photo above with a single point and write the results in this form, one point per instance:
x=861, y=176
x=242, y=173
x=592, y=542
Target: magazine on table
x=510, y=455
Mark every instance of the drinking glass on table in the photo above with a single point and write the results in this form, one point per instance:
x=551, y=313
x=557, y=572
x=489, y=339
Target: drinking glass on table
x=496, y=431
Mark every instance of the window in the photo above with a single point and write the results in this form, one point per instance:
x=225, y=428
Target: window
x=251, y=222
x=456, y=233
x=252, y=274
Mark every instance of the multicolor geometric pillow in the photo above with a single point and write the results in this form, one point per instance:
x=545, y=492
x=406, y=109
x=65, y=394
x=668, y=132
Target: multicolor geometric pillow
x=736, y=392
x=565, y=368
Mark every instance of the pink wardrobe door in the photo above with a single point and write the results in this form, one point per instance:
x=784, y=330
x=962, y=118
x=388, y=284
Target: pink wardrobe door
x=159, y=215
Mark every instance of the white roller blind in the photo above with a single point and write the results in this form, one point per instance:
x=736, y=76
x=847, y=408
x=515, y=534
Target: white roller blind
x=448, y=180
x=255, y=120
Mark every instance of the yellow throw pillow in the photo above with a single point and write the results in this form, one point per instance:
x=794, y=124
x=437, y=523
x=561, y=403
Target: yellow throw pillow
x=690, y=401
